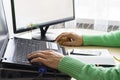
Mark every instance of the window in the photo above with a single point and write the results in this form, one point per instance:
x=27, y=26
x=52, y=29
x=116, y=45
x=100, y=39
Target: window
x=105, y=13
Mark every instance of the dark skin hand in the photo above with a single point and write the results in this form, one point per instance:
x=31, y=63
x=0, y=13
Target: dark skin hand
x=47, y=57
x=69, y=39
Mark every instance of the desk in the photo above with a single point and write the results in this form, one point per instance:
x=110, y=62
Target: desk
x=113, y=51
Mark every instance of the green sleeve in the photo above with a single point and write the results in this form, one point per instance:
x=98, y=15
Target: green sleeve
x=111, y=39
x=82, y=71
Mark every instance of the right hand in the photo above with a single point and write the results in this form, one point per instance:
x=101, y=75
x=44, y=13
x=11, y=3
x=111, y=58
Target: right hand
x=69, y=39
x=47, y=57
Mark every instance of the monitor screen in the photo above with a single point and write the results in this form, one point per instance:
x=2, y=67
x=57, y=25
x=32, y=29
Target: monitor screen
x=31, y=14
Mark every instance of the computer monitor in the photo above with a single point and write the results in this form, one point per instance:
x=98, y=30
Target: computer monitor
x=32, y=14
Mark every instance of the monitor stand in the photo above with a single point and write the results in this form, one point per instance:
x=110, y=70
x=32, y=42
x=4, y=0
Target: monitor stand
x=43, y=35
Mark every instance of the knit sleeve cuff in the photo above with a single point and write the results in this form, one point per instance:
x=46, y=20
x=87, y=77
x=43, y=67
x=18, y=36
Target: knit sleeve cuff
x=70, y=66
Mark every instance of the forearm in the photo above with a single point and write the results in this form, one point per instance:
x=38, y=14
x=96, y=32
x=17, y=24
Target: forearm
x=109, y=39
x=82, y=71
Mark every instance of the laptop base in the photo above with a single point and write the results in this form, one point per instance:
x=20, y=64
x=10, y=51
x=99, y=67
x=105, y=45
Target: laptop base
x=14, y=74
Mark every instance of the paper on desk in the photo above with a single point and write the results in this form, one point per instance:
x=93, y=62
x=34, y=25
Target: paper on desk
x=104, y=57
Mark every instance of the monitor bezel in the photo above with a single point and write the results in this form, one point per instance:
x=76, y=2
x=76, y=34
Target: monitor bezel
x=39, y=25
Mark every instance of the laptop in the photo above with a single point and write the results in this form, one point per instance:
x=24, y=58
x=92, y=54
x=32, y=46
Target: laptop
x=13, y=51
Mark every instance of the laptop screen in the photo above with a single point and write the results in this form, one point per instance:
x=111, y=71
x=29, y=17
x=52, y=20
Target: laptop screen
x=3, y=30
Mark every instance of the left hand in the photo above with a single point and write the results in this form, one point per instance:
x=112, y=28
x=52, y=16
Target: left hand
x=69, y=39
x=47, y=57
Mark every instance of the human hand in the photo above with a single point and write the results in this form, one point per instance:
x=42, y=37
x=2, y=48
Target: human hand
x=47, y=57
x=69, y=39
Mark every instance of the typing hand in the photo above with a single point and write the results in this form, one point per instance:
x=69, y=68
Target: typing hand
x=48, y=57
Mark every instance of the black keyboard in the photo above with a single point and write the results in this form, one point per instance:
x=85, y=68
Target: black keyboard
x=26, y=46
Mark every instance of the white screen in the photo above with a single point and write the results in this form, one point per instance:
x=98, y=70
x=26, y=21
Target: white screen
x=41, y=11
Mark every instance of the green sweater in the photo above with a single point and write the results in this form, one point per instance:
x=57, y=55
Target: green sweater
x=83, y=71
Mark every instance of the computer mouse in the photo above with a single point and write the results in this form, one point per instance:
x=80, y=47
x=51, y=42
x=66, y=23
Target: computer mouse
x=36, y=64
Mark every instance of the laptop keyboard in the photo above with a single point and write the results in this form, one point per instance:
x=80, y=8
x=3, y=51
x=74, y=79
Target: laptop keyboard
x=25, y=46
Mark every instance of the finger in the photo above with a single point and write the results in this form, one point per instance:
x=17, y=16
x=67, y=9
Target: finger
x=40, y=51
x=66, y=36
x=46, y=52
x=60, y=36
x=33, y=53
x=71, y=36
x=38, y=60
x=39, y=54
x=36, y=54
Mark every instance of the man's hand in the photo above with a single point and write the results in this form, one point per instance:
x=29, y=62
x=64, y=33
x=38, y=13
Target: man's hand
x=48, y=57
x=69, y=39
